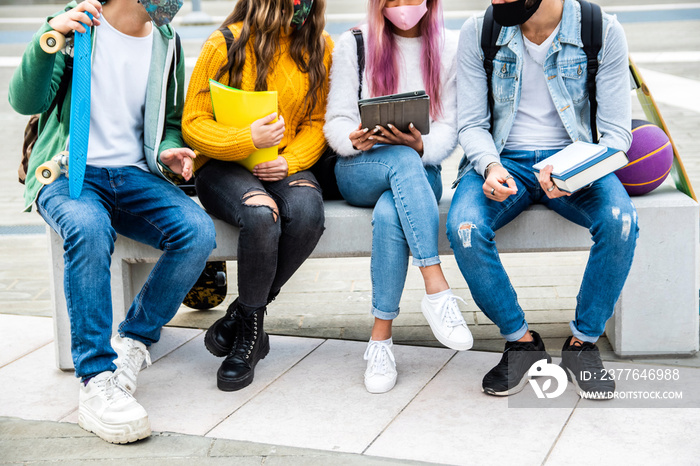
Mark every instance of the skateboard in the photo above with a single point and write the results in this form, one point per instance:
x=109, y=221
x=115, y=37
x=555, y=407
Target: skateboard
x=210, y=289
x=53, y=42
x=651, y=110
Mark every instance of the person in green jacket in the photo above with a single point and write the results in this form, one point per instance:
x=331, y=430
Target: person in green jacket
x=137, y=87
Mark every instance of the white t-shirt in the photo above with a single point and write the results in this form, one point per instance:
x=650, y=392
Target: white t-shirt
x=537, y=123
x=120, y=66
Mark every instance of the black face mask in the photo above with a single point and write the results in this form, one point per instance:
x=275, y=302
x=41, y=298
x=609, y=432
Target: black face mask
x=515, y=13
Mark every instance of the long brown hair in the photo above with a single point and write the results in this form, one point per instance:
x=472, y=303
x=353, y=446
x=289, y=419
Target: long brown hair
x=266, y=19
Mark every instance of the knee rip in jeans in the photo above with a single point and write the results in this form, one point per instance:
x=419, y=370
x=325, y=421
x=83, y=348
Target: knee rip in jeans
x=465, y=233
x=259, y=198
x=305, y=184
x=627, y=221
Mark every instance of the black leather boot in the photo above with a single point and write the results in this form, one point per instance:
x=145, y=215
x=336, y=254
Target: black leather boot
x=220, y=336
x=222, y=333
x=251, y=345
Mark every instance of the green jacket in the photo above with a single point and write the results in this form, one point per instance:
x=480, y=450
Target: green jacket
x=35, y=84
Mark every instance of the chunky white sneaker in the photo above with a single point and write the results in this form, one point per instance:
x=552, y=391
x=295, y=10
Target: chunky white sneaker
x=131, y=356
x=109, y=411
x=380, y=376
x=447, y=323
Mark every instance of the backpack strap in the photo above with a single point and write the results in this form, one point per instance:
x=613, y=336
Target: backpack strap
x=62, y=87
x=357, y=33
x=592, y=38
x=178, y=45
x=228, y=37
x=489, y=35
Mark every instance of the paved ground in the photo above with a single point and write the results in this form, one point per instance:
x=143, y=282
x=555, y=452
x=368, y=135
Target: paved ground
x=308, y=394
x=329, y=299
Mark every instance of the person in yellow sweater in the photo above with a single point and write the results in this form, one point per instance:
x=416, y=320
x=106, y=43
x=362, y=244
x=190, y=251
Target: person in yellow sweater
x=276, y=45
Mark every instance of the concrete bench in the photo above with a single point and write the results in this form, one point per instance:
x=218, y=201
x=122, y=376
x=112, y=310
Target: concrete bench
x=657, y=312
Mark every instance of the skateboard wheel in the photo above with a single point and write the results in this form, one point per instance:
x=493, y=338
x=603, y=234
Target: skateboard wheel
x=220, y=279
x=52, y=41
x=47, y=172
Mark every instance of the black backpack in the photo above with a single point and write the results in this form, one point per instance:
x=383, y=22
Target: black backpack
x=591, y=36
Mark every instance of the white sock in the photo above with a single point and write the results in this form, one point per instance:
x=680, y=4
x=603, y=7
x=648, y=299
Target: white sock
x=435, y=297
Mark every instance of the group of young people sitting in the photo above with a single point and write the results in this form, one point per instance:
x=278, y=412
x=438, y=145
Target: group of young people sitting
x=142, y=125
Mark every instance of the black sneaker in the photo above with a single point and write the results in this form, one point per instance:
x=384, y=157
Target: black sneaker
x=510, y=375
x=583, y=367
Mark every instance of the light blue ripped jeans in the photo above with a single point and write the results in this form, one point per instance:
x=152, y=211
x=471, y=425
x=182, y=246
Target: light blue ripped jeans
x=604, y=208
x=404, y=194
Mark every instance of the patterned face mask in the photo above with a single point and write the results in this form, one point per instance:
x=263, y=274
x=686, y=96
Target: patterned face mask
x=162, y=11
x=302, y=10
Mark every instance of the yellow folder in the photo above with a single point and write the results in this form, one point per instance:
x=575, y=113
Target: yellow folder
x=234, y=107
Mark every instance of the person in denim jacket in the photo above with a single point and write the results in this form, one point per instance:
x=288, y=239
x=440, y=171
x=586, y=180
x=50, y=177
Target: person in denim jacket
x=540, y=105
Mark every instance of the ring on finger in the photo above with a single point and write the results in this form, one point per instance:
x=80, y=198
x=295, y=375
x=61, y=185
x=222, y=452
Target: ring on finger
x=493, y=190
x=551, y=188
x=509, y=177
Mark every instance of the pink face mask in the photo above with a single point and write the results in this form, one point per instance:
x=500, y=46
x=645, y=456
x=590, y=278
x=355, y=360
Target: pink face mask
x=406, y=17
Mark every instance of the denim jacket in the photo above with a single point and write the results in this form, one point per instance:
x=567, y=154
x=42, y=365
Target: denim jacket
x=565, y=68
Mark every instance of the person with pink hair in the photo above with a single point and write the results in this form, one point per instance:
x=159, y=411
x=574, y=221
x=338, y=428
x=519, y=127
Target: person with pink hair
x=406, y=48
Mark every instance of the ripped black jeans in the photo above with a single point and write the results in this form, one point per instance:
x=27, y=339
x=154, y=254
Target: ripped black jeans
x=280, y=223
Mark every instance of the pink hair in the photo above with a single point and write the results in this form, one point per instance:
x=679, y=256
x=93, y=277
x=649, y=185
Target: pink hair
x=381, y=53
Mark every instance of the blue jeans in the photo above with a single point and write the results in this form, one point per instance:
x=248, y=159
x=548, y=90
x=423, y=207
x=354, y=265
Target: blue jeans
x=141, y=206
x=604, y=208
x=405, y=217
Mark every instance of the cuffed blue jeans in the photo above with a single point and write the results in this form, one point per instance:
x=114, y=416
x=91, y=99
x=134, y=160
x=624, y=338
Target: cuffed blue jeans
x=604, y=208
x=405, y=196
x=143, y=207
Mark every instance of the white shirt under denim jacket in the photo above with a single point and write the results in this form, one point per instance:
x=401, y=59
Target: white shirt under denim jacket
x=565, y=68
x=343, y=115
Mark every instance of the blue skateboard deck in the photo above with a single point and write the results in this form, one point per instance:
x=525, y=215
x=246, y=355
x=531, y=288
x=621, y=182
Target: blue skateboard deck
x=80, y=111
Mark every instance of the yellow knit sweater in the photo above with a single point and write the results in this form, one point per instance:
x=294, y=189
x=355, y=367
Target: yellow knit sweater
x=303, y=141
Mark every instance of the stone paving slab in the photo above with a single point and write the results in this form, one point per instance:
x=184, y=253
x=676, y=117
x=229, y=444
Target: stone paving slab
x=322, y=402
x=632, y=436
x=20, y=335
x=34, y=389
x=468, y=427
x=193, y=404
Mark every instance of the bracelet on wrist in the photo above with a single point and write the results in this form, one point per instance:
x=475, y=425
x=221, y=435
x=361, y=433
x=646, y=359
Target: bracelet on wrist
x=489, y=167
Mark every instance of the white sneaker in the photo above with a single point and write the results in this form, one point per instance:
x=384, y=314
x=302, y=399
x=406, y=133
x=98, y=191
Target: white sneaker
x=380, y=376
x=109, y=411
x=131, y=355
x=447, y=323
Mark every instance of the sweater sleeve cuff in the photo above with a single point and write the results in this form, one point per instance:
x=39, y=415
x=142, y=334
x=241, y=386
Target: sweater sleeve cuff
x=483, y=162
x=293, y=164
x=244, y=141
